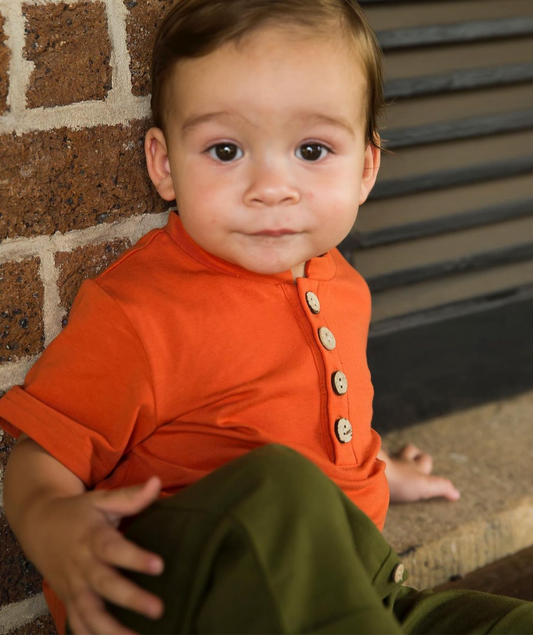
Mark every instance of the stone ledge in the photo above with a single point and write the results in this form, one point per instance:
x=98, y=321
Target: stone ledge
x=487, y=451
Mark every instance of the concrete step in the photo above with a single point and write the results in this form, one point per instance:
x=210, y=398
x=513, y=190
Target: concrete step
x=511, y=576
x=487, y=451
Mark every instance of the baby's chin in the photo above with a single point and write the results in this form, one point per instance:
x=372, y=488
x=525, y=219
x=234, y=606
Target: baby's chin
x=270, y=261
x=266, y=269
x=265, y=266
x=273, y=267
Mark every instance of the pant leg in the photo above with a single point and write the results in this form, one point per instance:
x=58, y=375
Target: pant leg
x=268, y=544
x=265, y=544
x=462, y=611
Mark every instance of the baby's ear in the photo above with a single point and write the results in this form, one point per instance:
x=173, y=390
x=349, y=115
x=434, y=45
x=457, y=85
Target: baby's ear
x=158, y=164
x=370, y=170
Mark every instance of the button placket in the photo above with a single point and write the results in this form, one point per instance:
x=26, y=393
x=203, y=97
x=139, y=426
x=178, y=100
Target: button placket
x=343, y=430
x=327, y=338
x=339, y=412
x=312, y=302
x=339, y=382
x=339, y=427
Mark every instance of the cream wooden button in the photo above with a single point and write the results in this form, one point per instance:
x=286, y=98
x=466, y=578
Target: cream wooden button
x=327, y=338
x=343, y=430
x=312, y=302
x=397, y=574
x=340, y=383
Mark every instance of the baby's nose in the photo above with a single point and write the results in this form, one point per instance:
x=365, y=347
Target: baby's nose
x=271, y=185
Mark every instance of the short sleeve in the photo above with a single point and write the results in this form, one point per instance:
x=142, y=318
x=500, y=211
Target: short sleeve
x=89, y=397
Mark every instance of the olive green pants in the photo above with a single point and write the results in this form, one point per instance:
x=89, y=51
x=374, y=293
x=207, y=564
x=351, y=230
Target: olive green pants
x=268, y=544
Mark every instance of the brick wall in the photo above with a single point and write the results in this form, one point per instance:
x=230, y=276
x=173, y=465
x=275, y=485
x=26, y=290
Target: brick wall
x=74, y=193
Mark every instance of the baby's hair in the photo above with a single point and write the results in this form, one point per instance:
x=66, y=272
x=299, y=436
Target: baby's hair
x=194, y=28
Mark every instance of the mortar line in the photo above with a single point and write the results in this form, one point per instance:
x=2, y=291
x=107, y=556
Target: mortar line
x=120, y=57
x=13, y=373
x=19, y=69
x=45, y=2
x=77, y=116
x=17, y=614
x=134, y=227
x=52, y=309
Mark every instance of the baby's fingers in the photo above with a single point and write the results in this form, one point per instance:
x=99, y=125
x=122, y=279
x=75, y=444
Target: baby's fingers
x=76, y=624
x=90, y=618
x=422, y=460
x=438, y=486
x=112, y=548
x=127, y=501
x=109, y=584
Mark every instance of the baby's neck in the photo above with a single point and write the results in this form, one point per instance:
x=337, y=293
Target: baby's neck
x=298, y=271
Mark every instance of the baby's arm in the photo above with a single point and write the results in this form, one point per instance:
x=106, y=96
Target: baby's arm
x=71, y=537
x=410, y=479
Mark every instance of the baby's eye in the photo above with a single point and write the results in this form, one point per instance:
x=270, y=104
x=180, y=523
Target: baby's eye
x=312, y=151
x=225, y=152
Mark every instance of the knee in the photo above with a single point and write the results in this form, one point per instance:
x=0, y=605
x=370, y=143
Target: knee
x=286, y=469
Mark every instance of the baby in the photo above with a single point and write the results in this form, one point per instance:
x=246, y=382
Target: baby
x=203, y=422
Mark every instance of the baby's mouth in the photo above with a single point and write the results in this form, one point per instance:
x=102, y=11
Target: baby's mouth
x=274, y=232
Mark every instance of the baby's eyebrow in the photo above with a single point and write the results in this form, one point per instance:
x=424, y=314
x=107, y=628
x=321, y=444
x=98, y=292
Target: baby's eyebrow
x=318, y=117
x=194, y=121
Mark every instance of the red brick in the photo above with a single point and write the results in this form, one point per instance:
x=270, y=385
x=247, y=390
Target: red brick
x=6, y=445
x=63, y=179
x=21, y=319
x=142, y=22
x=20, y=579
x=84, y=262
x=5, y=56
x=69, y=45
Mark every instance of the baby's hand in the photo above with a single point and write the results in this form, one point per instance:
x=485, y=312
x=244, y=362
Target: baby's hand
x=410, y=479
x=82, y=547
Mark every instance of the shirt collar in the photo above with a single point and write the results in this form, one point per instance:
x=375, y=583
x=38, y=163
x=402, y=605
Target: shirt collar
x=319, y=268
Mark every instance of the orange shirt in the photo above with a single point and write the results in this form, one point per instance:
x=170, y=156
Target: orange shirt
x=174, y=362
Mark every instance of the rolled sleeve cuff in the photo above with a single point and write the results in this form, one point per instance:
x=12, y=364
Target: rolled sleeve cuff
x=54, y=432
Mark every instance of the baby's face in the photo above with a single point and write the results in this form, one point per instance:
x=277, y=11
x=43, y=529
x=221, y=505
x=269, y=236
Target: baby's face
x=266, y=149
